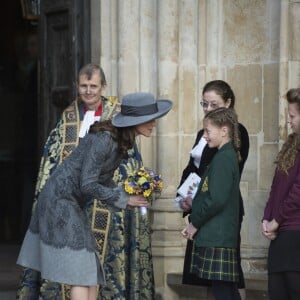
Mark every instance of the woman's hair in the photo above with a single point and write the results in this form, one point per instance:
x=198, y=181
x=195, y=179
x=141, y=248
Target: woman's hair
x=222, y=89
x=125, y=136
x=90, y=69
x=290, y=149
x=227, y=117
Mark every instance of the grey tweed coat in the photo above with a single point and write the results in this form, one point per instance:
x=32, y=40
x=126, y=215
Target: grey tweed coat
x=59, y=242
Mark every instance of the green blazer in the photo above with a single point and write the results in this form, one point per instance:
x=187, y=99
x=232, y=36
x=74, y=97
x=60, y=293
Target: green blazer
x=215, y=208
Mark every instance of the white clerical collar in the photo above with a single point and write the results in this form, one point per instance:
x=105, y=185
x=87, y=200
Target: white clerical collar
x=88, y=120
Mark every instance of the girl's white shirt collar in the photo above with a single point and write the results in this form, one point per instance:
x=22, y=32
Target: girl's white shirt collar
x=197, y=151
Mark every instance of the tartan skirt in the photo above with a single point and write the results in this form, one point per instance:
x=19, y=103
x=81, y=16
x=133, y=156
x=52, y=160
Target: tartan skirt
x=215, y=263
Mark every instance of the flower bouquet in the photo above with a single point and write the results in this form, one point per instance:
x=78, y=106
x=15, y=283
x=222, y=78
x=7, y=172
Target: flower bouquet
x=144, y=182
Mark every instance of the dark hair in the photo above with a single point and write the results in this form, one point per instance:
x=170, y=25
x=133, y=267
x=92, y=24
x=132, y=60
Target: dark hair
x=291, y=148
x=125, y=136
x=222, y=89
x=90, y=69
x=293, y=96
x=223, y=116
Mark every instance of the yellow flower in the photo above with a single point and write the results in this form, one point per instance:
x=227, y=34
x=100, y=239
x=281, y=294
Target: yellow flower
x=129, y=189
x=147, y=193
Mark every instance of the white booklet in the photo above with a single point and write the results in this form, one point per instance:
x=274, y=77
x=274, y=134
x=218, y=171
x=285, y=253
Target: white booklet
x=190, y=186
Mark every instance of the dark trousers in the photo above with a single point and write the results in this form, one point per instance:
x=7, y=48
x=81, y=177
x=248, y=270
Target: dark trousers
x=284, y=285
x=224, y=290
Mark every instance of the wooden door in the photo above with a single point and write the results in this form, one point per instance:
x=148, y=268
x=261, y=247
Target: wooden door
x=64, y=33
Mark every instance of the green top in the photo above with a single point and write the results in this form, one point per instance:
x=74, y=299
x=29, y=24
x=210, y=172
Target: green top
x=215, y=209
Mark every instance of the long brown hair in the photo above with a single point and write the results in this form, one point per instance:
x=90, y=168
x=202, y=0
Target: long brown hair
x=125, y=136
x=227, y=117
x=291, y=148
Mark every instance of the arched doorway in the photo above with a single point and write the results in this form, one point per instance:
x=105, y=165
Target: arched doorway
x=39, y=61
x=18, y=143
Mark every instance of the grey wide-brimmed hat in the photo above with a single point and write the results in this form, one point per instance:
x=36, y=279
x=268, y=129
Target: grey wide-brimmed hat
x=139, y=108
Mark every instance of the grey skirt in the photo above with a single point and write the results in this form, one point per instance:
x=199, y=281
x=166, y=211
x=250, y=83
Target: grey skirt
x=62, y=265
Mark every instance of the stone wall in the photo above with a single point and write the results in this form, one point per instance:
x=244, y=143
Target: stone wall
x=172, y=48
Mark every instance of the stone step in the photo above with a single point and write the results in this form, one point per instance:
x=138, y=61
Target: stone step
x=256, y=287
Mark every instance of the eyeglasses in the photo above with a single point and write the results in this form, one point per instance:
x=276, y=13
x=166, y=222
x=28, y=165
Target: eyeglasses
x=206, y=104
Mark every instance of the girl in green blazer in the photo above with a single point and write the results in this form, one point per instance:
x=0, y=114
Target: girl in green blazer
x=214, y=221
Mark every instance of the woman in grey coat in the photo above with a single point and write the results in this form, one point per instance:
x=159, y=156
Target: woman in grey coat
x=59, y=242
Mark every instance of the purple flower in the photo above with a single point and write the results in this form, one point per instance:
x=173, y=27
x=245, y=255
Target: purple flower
x=146, y=186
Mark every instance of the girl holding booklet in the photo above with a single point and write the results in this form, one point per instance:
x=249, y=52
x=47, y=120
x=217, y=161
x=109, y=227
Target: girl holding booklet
x=216, y=94
x=214, y=221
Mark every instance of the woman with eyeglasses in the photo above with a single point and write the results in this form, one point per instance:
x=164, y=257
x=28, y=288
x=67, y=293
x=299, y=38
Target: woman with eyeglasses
x=215, y=94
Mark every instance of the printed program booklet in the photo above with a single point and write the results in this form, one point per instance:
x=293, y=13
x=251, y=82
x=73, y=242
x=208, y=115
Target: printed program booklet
x=190, y=186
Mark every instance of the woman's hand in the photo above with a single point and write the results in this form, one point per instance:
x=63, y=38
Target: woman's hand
x=189, y=231
x=269, y=229
x=137, y=201
x=272, y=226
